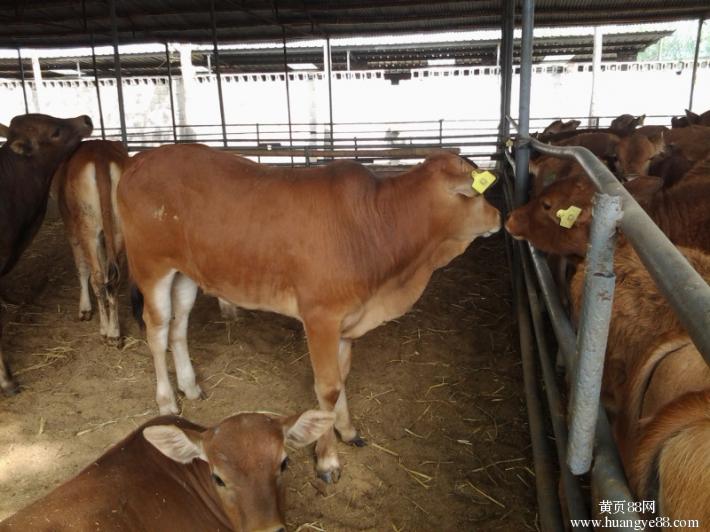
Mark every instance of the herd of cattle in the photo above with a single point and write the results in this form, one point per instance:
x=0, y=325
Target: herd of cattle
x=336, y=247
x=656, y=385
x=343, y=251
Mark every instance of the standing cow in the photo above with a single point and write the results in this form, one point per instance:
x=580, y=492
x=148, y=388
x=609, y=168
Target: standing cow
x=335, y=247
x=36, y=145
x=85, y=188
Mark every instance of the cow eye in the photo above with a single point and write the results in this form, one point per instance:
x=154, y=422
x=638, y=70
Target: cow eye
x=218, y=480
x=546, y=205
x=284, y=464
x=57, y=133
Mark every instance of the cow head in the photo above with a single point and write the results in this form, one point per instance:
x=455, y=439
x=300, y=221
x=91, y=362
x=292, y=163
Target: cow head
x=625, y=124
x=246, y=456
x=634, y=153
x=462, y=212
x=544, y=220
x=43, y=139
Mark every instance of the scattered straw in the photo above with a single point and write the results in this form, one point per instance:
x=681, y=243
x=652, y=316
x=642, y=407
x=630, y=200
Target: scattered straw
x=98, y=426
x=384, y=449
x=311, y=526
x=484, y=494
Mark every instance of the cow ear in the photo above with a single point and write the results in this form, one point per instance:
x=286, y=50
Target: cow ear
x=4, y=131
x=658, y=141
x=21, y=147
x=693, y=118
x=302, y=430
x=175, y=443
x=638, y=121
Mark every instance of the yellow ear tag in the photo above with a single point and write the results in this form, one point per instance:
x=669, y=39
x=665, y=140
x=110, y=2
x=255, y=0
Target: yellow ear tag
x=509, y=143
x=568, y=216
x=482, y=180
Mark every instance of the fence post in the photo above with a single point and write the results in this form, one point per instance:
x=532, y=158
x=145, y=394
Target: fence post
x=595, y=315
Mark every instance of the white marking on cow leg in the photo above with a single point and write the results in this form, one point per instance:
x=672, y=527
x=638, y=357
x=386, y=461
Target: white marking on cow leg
x=82, y=268
x=183, y=297
x=156, y=315
x=113, y=329
x=343, y=423
x=97, y=283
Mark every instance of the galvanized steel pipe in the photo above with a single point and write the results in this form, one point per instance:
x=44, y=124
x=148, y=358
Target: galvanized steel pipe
x=593, y=332
x=686, y=291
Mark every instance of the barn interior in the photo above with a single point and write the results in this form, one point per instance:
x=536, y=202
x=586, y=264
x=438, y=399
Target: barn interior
x=449, y=397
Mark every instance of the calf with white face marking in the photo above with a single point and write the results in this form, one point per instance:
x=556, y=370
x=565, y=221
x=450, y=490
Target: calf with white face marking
x=335, y=247
x=36, y=145
x=172, y=475
x=86, y=190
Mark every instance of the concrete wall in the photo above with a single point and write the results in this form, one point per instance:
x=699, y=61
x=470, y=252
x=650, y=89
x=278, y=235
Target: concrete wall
x=450, y=94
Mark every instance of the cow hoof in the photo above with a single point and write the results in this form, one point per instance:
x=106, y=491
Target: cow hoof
x=114, y=341
x=10, y=388
x=84, y=315
x=167, y=409
x=193, y=392
x=330, y=477
x=357, y=441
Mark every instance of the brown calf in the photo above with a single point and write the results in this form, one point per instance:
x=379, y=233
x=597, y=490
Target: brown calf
x=558, y=126
x=681, y=212
x=86, y=188
x=172, y=475
x=672, y=460
x=35, y=146
x=335, y=247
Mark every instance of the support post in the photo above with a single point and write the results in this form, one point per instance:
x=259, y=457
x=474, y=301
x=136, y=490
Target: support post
x=22, y=77
x=522, y=152
x=37, y=78
x=98, y=88
x=170, y=88
x=288, y=95
x=596, y=69
x=218, y=72
x=441, y=132
x=506, y=70
x=695, y=62
x=327, y=67
x=117, y=69
x=258, y=142
x=595, y=315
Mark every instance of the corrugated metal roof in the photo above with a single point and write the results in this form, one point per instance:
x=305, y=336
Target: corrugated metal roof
x=54, y=23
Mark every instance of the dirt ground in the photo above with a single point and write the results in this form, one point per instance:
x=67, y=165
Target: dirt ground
x=437, y=393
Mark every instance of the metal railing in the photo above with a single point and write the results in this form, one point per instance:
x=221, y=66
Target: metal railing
x=686, y=291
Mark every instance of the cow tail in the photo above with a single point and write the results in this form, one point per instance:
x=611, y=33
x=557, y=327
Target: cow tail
x=137, y=305
x=103, y=183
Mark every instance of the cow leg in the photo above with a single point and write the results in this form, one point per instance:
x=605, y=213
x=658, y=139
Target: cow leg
x=323, y=342
x=156, y=314
x=183, y=298
x=9, y=386
x=343, y=423
x=82, y=268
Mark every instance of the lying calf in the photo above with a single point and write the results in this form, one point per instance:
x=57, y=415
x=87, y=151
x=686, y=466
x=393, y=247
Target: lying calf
x=172, y=475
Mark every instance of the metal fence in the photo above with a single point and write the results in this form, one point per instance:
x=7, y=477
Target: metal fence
x=688, y=294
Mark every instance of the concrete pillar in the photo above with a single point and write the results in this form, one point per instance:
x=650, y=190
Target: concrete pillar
x=596, y=71
x=37, y=75
x=185, y=89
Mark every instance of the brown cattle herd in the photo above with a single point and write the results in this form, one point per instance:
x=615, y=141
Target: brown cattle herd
x=342, y=250
x=656, y=385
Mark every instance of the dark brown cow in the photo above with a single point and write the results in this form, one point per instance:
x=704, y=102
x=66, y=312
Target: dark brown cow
x=636, y=152
x=691, y=119
x=626, y=124
x=682, y=212
x=85, y=189
x=558, y=126
x=172, y=475
x=35, y=146
x=335, y=247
